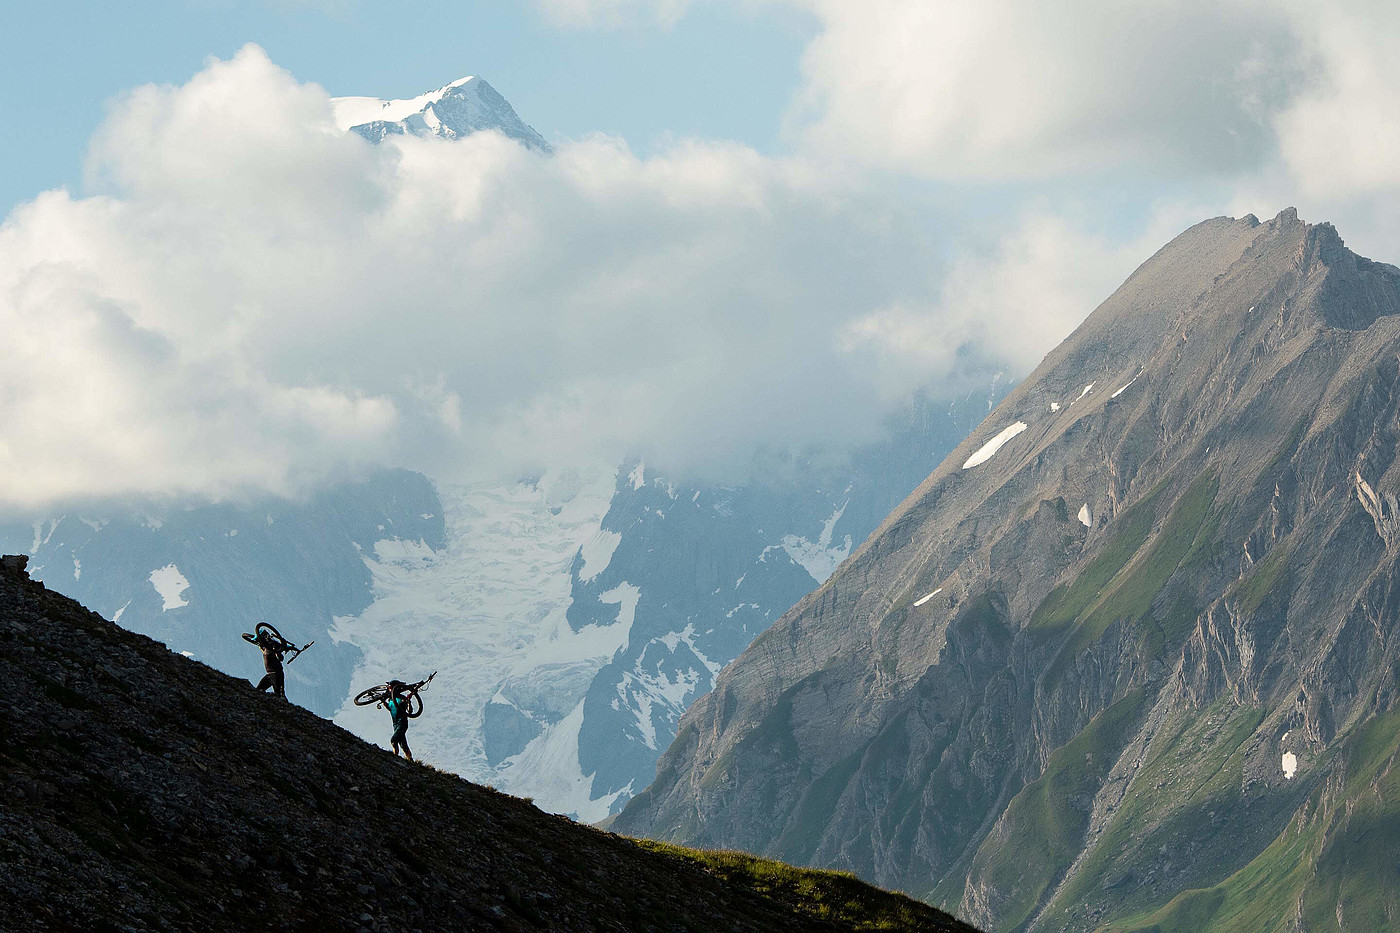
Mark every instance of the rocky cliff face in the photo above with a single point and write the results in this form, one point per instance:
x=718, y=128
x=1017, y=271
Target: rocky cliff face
x=1127, y=659
x=140, y=790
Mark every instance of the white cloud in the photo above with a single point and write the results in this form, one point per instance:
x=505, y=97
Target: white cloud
x=1340, y=136
x=1006, y=305
x=258, y=299
x=1016, y=89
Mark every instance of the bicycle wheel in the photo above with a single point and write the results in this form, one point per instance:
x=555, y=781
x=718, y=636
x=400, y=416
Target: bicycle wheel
x=412, y=697
x=372, y=695
x=268, y=627
x=250, y=638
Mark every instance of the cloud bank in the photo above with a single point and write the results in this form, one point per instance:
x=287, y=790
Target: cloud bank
x=258, y=299
x=253, y=301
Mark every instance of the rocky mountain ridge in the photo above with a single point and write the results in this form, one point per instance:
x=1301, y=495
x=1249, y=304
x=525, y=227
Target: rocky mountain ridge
x=581, y=610
x=567, y=606
x=467, y=105
x=1127, y=659
x=140, y=790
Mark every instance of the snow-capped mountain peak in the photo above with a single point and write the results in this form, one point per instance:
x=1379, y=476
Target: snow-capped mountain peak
x=452, y=111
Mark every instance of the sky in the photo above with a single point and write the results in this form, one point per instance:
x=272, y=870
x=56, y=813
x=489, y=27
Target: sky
x=764, y=223
x=724, y=71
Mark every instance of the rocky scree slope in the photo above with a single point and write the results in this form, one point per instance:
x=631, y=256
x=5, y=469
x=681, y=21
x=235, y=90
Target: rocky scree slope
x=1127, y=659
x=140, y=790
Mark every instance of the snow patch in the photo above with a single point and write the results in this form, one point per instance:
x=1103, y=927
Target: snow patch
x=1290, y=765
x=548, y=770
x=354, y=111
x=988, y=450
x=1087, y=389
x=77, y=568
x=1130, y=382
x=1054, y=406
x=818, y=558
x=597, y=553
x=626, y=597
x=170, y=583
x=117, y=616
x=42, y=535
x=687, y=636
x=399, y=551
x=650, y=691
x=1086, y=518
x=638, y=476
x=923, y=599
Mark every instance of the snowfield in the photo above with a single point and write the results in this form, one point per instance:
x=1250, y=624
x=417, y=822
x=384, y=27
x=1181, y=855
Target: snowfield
x=171, y=584
x=487, y=608
x=924, y=599
x=818, y=557
x=989, y=450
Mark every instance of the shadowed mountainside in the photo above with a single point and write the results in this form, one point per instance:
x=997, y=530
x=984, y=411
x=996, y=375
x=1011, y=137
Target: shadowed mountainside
x=1127, y=659
x=140, y=790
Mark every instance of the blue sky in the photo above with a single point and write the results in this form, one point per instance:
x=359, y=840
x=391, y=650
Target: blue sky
x=720, y=72
x=765, y=223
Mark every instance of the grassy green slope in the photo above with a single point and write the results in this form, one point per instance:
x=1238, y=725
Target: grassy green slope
x=1332, y=868
x=1125, y=580
x=832, y=896
x=1044, y=824
x=1192, y=770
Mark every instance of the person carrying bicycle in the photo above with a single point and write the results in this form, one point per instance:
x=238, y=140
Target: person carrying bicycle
x=397, y=704
x=272, y=652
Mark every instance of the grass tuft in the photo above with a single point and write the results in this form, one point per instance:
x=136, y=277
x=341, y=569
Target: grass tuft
x=835, y=897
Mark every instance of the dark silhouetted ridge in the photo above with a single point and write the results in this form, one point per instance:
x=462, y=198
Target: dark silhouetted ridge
x=140, y=790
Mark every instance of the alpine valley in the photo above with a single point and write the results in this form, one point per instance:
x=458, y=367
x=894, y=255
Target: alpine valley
x=1127, y=659
x=573, y=614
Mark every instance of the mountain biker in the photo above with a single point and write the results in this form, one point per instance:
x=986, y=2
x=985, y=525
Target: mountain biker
x=397, y=704
x=272, y=652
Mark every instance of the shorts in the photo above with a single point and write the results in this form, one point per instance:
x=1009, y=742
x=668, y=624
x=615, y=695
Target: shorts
x=276, y=680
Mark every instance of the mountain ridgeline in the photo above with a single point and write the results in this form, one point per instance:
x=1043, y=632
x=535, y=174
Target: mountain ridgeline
x=1127, y=659
x=140, y=790
x=578, y=610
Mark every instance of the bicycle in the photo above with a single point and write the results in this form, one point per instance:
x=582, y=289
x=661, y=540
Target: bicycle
x=266, y=632
x=378, y=694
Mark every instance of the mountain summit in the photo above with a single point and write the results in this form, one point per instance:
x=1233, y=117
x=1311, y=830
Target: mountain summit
x=1128, y=658
x=452, y=111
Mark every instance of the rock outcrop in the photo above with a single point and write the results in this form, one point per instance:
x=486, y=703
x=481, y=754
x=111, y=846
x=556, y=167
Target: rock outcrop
x=1129, y=666
x=140, y=790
